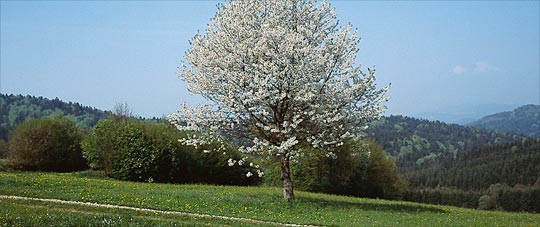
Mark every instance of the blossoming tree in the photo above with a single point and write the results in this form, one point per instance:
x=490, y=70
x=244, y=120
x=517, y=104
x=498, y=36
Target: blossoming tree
x=278, y=75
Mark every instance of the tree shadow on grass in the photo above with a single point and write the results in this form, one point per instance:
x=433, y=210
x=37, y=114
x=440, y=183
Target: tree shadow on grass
x=398, y=206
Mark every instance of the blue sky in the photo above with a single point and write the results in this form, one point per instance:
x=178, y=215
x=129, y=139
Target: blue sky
x=436, y=54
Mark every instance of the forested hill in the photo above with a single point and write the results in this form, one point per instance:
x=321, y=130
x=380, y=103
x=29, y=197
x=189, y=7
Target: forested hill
x=524, y=120
x=14, y=109
x=415, y=143
x=512, y=163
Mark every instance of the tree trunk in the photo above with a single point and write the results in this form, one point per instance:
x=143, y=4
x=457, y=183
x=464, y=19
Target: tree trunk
x=288, y=193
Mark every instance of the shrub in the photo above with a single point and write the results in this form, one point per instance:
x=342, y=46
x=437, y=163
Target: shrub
x=318, y=173
x=145, y=151
x=359, y=169
x=46, y=144
x=519, y=198
x=498, y=196
x=212, y=168
x=443, y=195
x=3, y=149
x=99, y=146
x=486, y=202
x=381, y=179
x=135, y=155
x=123, y=150
x=171, y=161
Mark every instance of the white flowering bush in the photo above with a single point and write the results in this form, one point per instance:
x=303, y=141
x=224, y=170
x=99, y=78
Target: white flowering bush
x=277, y=74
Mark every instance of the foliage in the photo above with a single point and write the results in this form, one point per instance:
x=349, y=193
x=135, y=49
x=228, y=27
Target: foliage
x=144, y=151
x=315, y=172
x=524, y=120
x=359, y=169
x=416, y=143
x=261, y=203
x=279, y=74
x=134, y=157
x=46, y=144
x=14, y=109
x=480, y=178
x=3, y=162
x=3, y=149
x=444, y=195
x=512, y=163
x=382, y=176
x=123, y=109
x=486, y=202
x=99, y=146
x=519, y=198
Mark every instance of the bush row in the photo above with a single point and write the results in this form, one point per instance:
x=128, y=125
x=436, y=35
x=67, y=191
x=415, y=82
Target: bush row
x=496, y=197
x=359, y=169
x=125, y=149
x=517, y=198
x=143, y=151
x=444, y=196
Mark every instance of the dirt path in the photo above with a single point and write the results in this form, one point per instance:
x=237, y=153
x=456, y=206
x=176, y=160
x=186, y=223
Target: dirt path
x=149, y=210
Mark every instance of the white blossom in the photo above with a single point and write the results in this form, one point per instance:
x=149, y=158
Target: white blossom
x=278, y=73
x=231, y=162
x=260, y=173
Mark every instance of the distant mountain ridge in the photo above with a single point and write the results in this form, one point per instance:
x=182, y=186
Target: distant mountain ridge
x=524, y=120
x=464, y=114
x=415, y=143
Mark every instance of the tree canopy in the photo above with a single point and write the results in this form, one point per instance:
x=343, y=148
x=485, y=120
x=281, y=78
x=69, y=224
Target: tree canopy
x=278, y=74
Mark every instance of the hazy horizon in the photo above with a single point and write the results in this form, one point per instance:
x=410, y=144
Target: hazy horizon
x=436, y=55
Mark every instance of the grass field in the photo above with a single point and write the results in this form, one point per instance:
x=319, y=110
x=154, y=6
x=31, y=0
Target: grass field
x=260, y=203
x=36, y=213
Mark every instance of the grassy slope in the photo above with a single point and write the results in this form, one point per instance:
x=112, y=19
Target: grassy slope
x=261, y=203
x=37, y=213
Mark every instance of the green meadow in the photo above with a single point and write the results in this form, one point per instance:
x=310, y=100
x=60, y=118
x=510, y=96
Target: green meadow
x=258, y=203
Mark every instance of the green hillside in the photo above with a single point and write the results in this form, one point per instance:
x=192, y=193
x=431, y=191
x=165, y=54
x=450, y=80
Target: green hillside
x=256, y=203
x=524, y=120
x=15, y=109
x=415, y=143
x=502, y=176
x=512, y=163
